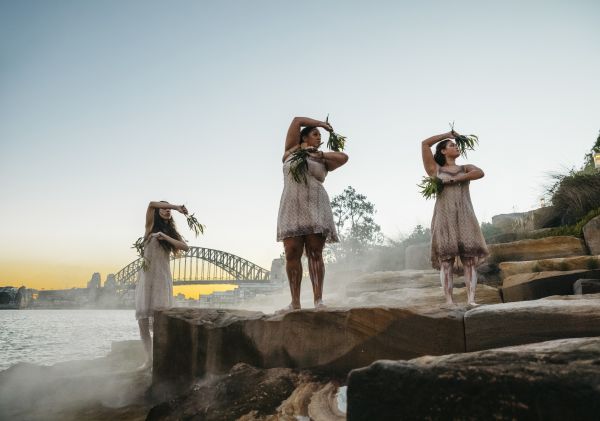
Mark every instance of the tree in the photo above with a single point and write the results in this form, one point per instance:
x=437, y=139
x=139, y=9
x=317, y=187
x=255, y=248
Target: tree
x=358, y=232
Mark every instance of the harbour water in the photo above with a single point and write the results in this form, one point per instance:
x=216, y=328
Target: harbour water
x=47, y=337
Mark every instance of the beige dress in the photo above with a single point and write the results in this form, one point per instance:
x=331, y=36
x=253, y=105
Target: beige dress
x=455, y=230
x=305, y=208
x=154, y=287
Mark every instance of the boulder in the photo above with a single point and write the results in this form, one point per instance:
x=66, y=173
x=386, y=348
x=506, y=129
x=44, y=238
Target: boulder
x=591, y=233
x=557, y=380
x=586, y=286
x=532, y=286
x=418, y=256
x=245, y=391
x=507, y=324
x=189, y=343
x=542, y=248
x=546, y=265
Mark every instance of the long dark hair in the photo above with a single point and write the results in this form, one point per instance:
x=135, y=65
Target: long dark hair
x=439, y=157
x=306, y=131
x=166, y=226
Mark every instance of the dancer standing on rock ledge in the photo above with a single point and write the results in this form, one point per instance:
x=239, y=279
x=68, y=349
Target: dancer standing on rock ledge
x=305, y=220
x=455, y=230
x=154, y=287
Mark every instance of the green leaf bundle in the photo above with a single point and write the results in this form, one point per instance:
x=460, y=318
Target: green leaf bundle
x=336, y=142
x=194, y=225
x=464, y=142
x=431, y=187
x=299, y=165
x=139, y=247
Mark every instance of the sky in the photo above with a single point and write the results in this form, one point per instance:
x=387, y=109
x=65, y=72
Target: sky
x=107, y=105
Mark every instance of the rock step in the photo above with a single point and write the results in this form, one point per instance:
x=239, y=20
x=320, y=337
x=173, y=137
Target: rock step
x=533, y=286
x=545, y=265
x=537, y=249
x=557, y=380
x=190, y=343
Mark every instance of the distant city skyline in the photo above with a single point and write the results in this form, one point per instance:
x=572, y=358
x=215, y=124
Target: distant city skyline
x=105, y=106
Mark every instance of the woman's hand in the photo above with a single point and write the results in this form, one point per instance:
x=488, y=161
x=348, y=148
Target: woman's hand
x=182, y=209
x=326, y=126
x=158, y=235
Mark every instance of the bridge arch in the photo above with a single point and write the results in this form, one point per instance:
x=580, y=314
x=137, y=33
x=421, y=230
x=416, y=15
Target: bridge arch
x=233, y=269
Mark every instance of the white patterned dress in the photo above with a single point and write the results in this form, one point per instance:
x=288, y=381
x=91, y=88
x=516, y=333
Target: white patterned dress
x=154, y=287
x=455, y=230
x=305, y=208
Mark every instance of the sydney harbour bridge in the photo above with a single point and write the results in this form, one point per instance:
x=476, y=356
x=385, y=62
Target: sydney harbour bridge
x=200, y=265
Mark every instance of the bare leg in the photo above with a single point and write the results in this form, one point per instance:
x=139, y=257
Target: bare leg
x=470, y=280
x=144, y=325
x=447, y=279
x=316, y=267
x=293, y=266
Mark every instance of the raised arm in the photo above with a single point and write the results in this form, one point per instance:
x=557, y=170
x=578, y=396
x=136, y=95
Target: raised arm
x=159, y=205
x=428, y=162
x=293, y=135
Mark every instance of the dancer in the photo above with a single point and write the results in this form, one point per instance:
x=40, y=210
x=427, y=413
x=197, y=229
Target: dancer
x=154, y=287
x=305, y=221
x=455, y=230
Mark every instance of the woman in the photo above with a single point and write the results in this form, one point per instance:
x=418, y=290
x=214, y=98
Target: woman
x=454, y=227
x=154, y=288
x=305, y=221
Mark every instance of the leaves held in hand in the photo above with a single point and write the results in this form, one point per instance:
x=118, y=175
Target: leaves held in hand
x=464, y=142
x=431, y=187
x=336, y=142
x=299, y=165
x=139, y=247
x=194, y=225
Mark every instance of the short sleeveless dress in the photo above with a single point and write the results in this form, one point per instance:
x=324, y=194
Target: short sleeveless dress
x=305, y=208
x=154, y=287
x=455, y=230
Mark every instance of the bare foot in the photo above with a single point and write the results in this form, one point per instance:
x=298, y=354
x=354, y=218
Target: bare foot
x=472, y=304
x=319, y=305
x=287, y=309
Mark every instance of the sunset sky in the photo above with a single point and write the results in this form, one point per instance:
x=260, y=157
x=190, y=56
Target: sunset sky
x=107, y=105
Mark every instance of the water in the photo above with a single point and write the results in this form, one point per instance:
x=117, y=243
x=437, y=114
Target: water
x=49, y=336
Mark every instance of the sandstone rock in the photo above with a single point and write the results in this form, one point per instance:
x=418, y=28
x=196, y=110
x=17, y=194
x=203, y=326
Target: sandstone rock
x=190, y=343
x=409, y=288
x=532, y=286
x=418, y=256
x=557, y=380
x=543, y=248
x=547, y=265
x=323, y=405
x=586, y=286
x=591, y=233
x=525, y=322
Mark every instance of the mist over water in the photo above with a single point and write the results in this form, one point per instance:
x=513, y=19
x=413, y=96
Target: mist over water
x=49, y=336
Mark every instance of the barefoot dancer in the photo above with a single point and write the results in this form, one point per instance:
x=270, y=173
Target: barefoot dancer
x=454, y=227
x=154, y=288
x=305, y=219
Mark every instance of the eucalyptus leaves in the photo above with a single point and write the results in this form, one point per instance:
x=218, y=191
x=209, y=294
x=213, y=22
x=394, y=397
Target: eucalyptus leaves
x=464, y=142
x=431, y=187
x=298, y=162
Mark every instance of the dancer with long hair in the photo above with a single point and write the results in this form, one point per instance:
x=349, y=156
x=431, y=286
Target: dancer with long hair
x=305, y=221
x=455, y=231
x=154, y=287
